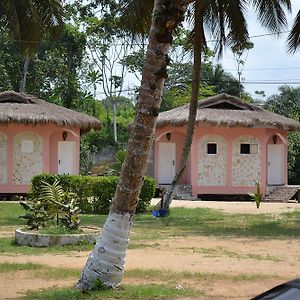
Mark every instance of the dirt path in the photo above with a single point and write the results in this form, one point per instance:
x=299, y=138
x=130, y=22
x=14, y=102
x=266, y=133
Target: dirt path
x=277, y=260
x=236, y=207
x=201, y=254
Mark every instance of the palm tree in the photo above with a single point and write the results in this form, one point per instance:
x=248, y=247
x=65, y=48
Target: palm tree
x=217, y=16
x=106, y=262
x=29, y=21
x=294, y=36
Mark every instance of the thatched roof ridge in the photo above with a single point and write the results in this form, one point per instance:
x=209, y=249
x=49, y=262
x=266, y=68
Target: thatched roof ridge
x=227, y=111
x=27, y=109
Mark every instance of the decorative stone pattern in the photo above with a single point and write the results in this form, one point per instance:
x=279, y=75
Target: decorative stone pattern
x=27, y=157
x=212, y=167
x=246, y=168
x=3, y=158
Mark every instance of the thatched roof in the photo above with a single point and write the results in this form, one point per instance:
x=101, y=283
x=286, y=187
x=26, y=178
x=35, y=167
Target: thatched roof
x=26, y=109
x=227, y=111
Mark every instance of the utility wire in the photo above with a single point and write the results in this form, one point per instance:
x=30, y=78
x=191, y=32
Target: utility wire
x=134, y=44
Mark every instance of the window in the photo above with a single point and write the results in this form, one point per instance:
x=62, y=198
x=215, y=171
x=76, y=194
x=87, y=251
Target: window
x=249, y=149
x=211, y=148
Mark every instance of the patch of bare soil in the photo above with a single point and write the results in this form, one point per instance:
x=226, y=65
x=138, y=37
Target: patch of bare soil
x=17, y=283
x=236, y=207
x=276, y=260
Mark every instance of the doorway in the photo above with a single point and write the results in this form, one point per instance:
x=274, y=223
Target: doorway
x=67, y=158
x=166, y=162
x=276, y=164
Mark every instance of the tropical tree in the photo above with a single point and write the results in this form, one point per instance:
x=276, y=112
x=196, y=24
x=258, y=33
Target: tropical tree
x=294, y=36
x=106, y=262
x=226, y=21
x=29, y=21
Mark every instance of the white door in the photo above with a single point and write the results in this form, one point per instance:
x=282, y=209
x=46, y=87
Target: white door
x=67, y=158
x=275, y=164
x=166, y=162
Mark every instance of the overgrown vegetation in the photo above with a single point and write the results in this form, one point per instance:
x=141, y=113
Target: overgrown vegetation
x=93, y=194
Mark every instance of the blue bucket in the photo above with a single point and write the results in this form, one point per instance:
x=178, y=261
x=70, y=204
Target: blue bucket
x=163, y=212
x=155, y=213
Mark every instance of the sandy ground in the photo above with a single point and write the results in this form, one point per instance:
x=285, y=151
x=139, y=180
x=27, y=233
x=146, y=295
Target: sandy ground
x=236, y=207
x=278, y=260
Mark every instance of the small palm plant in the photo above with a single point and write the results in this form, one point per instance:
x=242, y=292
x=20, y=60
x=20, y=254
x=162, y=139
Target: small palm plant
x=53, y=203
x=257, y=197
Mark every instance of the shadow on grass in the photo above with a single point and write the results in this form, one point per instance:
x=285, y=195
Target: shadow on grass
x=210, y=222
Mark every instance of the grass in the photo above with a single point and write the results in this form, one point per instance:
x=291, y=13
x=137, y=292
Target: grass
x=182, y=222
x=172, y=277
x=58, y=230
x=210, y=222
x=9, y=214
x=127, y=292
x=219, y=251
x=9, y=247
x=13, y=267
x=175, y=284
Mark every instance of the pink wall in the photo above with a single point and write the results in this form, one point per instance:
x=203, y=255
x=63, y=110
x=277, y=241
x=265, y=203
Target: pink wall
x=264, y=135
x=51, y=135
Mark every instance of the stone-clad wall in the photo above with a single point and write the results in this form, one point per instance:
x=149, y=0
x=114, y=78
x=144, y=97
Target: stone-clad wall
x=27, y=157
x=246, y=168
x=212, y=167
x=3, y=158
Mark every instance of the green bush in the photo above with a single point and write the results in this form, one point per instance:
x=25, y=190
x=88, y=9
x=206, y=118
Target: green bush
x=93, y=194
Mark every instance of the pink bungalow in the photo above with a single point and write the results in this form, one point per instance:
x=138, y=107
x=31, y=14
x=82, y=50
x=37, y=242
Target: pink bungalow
x=37, y=137
x=235, y=145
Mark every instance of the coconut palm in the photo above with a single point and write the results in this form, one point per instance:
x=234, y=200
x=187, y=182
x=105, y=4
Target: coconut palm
x=28, y=22
x=106, y=262
x=225, y=19
x=226, y=23
x=294, y=36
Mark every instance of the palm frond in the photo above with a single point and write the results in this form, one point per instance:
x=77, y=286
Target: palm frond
x=53, y=193
x=294, y=36
x=136, y=15
x=271, y=13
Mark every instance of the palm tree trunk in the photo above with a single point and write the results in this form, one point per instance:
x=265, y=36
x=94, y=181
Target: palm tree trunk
x=24, y=74
x=106, y=262
x=197, y=46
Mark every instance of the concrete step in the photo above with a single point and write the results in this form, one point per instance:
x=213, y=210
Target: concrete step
x=181, y=192
x=282, y=194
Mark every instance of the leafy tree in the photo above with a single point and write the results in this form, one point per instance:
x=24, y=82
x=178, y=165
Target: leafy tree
x=28, y=22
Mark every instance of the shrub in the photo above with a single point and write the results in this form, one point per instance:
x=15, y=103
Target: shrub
x=93, y=194
x=52, y=203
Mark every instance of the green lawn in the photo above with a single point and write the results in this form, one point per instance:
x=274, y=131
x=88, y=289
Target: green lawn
x=181, y=222
x=146, y=233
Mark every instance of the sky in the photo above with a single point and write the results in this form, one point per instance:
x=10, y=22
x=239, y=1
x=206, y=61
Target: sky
x=267, y=65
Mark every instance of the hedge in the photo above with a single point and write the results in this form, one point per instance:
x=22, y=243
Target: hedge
x=93, y=194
